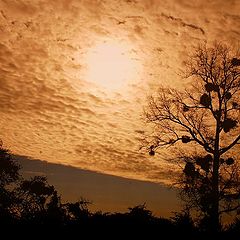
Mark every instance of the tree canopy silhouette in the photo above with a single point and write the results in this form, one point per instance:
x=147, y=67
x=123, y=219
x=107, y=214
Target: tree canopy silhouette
x=203, y=121
x=9, y=174
x=33, y=204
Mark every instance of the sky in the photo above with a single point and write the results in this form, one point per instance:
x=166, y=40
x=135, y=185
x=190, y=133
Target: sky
x=106, y=193
x=75, y=75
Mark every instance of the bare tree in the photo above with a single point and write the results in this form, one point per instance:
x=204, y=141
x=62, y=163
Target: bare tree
x=205, y=117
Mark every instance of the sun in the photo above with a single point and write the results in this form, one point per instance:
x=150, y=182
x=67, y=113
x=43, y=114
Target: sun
x=111, y=66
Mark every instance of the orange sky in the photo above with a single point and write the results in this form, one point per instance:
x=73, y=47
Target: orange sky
x=107, y=193
x=60, y=99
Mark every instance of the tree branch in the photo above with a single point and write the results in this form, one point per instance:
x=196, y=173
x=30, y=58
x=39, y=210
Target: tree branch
x=223, y=150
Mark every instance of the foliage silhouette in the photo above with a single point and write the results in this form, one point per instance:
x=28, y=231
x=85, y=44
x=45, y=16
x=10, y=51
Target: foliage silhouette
x=36, y=199
x=34, y=205
x=201, y=123
x=9, y=174
x=9, y=169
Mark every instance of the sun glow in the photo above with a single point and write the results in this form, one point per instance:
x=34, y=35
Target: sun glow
x=111, y=66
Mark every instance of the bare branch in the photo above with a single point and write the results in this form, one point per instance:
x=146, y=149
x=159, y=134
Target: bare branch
x=236, y=141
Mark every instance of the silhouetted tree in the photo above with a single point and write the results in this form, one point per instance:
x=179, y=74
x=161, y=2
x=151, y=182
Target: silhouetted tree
x=203, y=120
x=36, y=198
x=9, y=168
x=184, y=222
x=140, y=213
x=78, y=211
x=55, y=212
x=9, y=175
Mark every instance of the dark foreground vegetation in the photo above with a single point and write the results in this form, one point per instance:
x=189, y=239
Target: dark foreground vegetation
x=34, y=208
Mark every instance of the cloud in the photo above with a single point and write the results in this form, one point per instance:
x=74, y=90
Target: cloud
x=180, y=22
x=50, y=111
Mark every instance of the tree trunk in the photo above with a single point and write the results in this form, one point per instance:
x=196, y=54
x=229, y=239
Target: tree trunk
x=215, y=225
x=214, y=215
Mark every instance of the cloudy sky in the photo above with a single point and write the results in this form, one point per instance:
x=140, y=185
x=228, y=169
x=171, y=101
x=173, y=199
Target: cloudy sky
x=74, y=75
